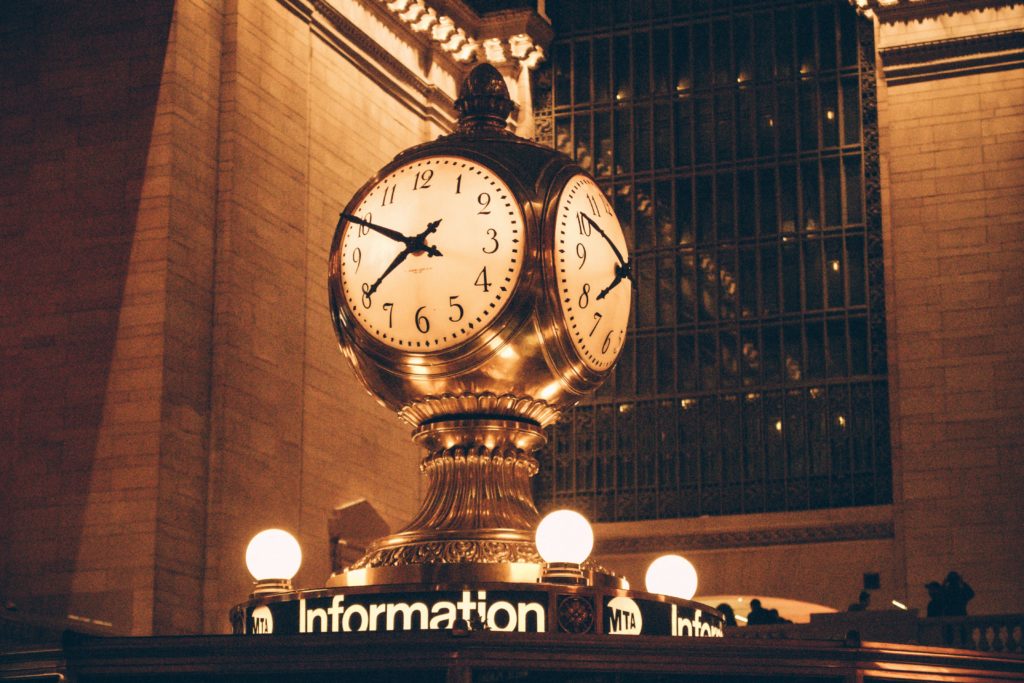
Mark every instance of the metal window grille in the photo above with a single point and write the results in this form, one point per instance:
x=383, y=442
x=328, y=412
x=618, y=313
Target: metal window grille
x=738, y=143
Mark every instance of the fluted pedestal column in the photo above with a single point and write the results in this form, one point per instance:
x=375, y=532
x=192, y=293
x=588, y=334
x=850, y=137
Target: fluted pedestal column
x=478, y=518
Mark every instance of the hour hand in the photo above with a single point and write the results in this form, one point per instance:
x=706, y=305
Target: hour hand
x=622, y=272
x=368, y=291
x=387, y=232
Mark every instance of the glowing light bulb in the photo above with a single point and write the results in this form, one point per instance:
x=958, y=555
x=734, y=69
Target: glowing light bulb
x=672, y=575
x=564, y=536
x=273, y=554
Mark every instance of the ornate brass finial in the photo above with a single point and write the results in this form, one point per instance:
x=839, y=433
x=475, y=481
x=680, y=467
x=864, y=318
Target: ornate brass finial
x=484, y=102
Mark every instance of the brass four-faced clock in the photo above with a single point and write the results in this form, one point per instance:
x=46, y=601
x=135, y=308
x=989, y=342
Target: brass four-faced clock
x=432, y=253
x=480, y=284
x=593, y=273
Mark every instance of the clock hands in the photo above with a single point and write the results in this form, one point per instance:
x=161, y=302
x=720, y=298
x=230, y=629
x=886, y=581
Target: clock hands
x=397, y=236
x=368, y=290
x=413, y=245
x=623, y=269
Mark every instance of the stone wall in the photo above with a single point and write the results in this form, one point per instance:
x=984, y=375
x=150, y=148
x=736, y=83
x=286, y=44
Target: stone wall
x=294, y=433
x=84, y=239
x=952, y=138
x=171, y=381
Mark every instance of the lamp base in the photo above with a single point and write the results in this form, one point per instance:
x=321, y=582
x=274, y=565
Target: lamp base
x=271, y=587
x=563, y=573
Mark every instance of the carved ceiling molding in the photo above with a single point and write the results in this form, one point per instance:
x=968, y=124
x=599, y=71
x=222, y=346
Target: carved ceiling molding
x=746, y=539
x=893, y=11
x=452, y=28
x=953, y=57
x=383, y=68
x=449, y=32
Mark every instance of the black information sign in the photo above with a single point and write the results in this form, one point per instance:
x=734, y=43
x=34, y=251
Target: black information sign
x=523, y=612
x=636, y=616
x=496, y=607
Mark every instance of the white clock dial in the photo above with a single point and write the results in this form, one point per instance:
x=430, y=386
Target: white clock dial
x=430, y=255
x=593, y=270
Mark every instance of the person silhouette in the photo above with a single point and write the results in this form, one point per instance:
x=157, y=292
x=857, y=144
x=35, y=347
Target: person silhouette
x=758, y=615
x=862, y=603
x=726, y=610
x=956, y=593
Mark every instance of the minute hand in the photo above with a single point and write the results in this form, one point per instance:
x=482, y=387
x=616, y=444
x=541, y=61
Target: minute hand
x=387, y=232
x=618, y=254
x=409, y=242
x=623, y=270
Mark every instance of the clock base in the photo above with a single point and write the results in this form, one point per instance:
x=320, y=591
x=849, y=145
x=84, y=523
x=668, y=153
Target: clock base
x=477, y=520
x=478, y=477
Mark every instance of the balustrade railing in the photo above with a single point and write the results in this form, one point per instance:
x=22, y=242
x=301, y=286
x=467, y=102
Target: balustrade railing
x=998, y=633
x=1002, y=633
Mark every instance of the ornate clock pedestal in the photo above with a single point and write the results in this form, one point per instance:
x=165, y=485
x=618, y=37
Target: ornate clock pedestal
x=480, y=284
x=477, y=519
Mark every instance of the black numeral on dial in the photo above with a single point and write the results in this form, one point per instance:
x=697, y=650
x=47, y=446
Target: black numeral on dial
x=492, y=234
x=422, y=179
x=585, y=295
x=455, y=307
x=482, y=281
x=585, y=228
x=422, y=324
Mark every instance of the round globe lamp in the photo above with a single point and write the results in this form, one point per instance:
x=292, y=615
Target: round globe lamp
x=273, y=558
x=672, y=575
x=564, y=541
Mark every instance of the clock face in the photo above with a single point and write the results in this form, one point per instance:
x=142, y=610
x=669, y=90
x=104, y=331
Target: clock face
x=431, y=254
x=592, y=264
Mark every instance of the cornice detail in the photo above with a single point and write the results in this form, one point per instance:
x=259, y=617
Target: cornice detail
x=449, y=35
x=953, y=56
x=747, y=539
x=916, y=53
x=892, y=11
x=497, y=37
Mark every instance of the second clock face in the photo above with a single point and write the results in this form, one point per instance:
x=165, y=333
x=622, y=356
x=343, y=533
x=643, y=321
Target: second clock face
x=431, y=254
x=592, y=268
